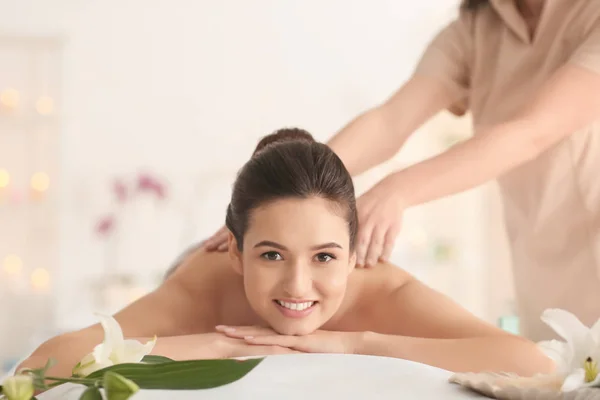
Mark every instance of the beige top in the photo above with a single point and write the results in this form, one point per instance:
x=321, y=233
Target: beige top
x=551, y=204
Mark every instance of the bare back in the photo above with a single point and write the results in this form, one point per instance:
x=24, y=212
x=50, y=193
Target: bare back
x=204, y=291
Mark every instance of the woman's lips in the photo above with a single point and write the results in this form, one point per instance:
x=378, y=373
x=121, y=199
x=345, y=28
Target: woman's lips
x=295, y=309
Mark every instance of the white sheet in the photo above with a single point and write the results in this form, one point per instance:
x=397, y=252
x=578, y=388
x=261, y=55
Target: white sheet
x=317, y=376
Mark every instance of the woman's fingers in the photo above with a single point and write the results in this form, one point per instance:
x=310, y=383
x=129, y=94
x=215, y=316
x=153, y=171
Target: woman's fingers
x=240, y=332
x=274, y=340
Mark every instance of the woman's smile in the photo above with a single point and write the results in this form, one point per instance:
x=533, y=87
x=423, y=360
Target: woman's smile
x=295, y=308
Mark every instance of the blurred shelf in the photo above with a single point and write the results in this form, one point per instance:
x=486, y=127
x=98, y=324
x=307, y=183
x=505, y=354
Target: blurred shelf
x=30, y=122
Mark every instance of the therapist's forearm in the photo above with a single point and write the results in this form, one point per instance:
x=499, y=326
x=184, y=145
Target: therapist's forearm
x=378, y=134
x=467, y=165
x=501, y=353
x=367, y=141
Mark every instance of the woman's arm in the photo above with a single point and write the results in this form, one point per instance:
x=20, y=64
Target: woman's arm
x=477, y=354
x=378, y=134
x=566, y=103
x=430, y=328
x=69, y=349
x=171, y=310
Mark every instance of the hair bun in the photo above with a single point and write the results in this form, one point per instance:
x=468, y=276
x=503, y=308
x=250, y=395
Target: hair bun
x=282, y=136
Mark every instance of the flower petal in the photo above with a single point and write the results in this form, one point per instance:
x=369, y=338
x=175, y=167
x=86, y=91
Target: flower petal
x=595, y=331
x=113, y=338
x=565, y=324
x=554, y=349
x=559, y=352
x=18, y=387
x=134, y=351
x=574, y=381
x=84, y=370
x=578, y=337
x=594, y=383
x=85, y=362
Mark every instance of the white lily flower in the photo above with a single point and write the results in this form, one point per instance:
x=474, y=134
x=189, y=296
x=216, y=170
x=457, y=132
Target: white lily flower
x=114, y=350
x=577, y=358
x=18, y=387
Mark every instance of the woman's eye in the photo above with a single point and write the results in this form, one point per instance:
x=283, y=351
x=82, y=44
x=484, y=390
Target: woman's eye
x=272, y=256
x=324, y=257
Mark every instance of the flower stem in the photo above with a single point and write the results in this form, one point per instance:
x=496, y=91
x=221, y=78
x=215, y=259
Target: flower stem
x=83, y=381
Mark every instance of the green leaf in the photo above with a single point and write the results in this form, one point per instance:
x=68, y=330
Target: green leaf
x=117, y=387
x=185, y=375
x=39, y=379
x=39, y=374
x=91, y=393
x=155, y=359
x=0, y=389
x=42, y=371
x=49, y=364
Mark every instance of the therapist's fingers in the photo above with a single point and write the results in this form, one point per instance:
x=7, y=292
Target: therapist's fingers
x=217, y=239
x=390, y=241
x=362, y=245
x=367, y=206
x=376, y=245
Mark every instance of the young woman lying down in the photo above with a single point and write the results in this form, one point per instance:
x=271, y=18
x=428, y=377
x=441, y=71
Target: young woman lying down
x=288, y=284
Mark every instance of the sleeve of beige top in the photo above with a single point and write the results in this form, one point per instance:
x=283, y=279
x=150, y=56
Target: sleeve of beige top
x=447, y=58
x=587, y=54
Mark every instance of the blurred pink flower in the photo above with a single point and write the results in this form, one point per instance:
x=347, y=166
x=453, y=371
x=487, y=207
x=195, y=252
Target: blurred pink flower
x=145, y=183
x=150, y=184
x=105, y=226
x=120, y=190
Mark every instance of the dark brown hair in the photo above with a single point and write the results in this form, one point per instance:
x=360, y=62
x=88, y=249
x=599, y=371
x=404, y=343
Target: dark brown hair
x=474, y=4
x=290, y=164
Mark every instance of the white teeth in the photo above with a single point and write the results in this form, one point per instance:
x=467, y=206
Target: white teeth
x=295, y=306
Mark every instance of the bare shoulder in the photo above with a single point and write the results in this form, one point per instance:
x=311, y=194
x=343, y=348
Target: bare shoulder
x=366, y=290
x=199, y=272
x=186, y=303
x=390, y=300
x=380, y=279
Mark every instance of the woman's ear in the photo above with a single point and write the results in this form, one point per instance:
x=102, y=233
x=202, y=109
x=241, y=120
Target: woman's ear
x=235, y=255
x=352, y=263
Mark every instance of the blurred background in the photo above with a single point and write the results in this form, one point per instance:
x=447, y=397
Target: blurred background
x=123, y=124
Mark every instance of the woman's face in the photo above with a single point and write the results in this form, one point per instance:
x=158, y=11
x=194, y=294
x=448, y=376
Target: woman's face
x=295, y=262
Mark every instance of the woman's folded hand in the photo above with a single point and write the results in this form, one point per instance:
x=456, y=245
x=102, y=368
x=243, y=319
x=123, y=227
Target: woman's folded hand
x=317, y=342
x=217, y=345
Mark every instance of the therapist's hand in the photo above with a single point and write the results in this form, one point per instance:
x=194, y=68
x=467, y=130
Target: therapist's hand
x=379, y=221
x=218, y=241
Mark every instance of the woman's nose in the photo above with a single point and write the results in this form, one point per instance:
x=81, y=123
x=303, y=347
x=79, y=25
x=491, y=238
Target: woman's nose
x=298, y=280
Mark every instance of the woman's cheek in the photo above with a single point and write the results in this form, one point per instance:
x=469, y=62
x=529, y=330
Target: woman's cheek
x=334, y=281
